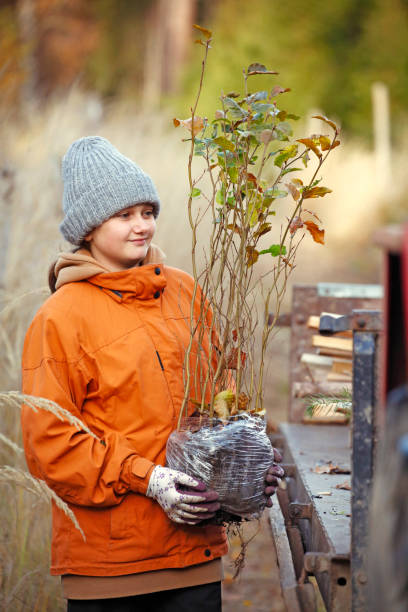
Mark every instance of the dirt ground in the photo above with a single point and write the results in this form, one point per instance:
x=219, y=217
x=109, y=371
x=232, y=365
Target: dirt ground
x=258, y=587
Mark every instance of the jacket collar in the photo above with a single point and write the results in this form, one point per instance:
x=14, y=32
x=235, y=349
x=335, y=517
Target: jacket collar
x=142, y=282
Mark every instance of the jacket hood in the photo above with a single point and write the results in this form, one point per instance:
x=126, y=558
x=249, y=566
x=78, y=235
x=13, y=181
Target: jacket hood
x=71, y=267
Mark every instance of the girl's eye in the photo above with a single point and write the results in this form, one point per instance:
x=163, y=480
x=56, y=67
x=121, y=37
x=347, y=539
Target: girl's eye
x=148, y=213
x=124, y=215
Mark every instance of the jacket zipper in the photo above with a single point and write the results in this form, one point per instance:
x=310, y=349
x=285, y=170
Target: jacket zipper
x=160, y=361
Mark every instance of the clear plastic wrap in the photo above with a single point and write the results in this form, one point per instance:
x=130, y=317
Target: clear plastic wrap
x=232, y=458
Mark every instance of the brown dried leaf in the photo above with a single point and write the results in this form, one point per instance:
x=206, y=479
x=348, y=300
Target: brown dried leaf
x=243, y=401
x=295, y=193
x=279, y=90
x=317, y=234
x=328, y=121
x=264, y=228
x=232, y=359
x=296, y=224
x=198, y=124
x=252, y=255
x=344, y=485
x=234, y=227
x=313, y=214
x=266, y=136
x=330, y=468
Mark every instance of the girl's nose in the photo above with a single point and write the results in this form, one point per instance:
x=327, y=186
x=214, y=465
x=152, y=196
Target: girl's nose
x=139, y=223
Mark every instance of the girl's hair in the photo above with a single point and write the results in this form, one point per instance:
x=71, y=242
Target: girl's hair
x=52, y=279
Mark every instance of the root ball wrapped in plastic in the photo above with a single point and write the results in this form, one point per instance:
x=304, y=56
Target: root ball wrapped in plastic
x=230, y=457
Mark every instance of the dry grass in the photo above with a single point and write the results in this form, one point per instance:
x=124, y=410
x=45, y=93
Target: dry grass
x=30, y=196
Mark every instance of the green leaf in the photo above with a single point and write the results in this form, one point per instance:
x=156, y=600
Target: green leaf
x=274, y=250
x=305, y=158
x=224, y=143
x=257, y=68
x=255, y=97
x=195, y=192
x=284, y=129
x=275, y=192
x=219, y=198
x=287, y=170
x=262, y=108
x=234, y=109
x=285, y=154
x=233, y=174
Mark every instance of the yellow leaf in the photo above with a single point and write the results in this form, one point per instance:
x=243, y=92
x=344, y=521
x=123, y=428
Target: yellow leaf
x=223, y=402
x=308, y=142
x=325, y=143
x=316, y=192
x=207, y=33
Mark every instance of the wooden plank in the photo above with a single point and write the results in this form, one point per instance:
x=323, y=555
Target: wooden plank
x=332, y=342
x=309, y=446
x=314, y=360
x=334, y=353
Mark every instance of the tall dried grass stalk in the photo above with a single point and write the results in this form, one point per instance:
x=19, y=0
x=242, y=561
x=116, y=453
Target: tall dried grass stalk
x=39, y=488
x=10, y=444
x=16, y=399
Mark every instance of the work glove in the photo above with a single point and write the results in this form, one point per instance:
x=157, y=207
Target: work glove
x=183, y=498
x=272, y=477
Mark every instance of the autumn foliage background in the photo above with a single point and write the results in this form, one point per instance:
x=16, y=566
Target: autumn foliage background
x=123, y=70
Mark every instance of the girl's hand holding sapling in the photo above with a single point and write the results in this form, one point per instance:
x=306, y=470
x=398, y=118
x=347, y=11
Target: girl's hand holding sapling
x=184, y=499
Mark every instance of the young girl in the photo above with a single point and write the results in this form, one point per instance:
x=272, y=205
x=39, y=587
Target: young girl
x=108, y=346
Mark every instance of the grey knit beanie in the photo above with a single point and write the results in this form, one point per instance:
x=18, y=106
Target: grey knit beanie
x=99, y=182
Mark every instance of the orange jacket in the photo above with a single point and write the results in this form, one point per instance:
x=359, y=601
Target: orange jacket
x=110, y=350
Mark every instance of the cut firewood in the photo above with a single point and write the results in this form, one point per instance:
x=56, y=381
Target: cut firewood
x=330, y=342
x=334, y=376
x=340, y=419
x=313, y=322
x=342, y=366
x=314, y=360
x=334, y=353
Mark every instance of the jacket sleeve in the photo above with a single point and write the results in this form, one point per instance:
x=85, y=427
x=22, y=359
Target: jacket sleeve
x=81, y=469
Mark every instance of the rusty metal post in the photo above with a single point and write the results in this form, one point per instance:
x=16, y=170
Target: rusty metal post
x=366, y=326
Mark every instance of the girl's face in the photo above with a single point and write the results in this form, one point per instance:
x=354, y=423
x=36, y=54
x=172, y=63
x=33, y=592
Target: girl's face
x=122, y=241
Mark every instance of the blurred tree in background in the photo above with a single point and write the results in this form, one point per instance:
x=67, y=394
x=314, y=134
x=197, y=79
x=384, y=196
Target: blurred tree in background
x=329, y=53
